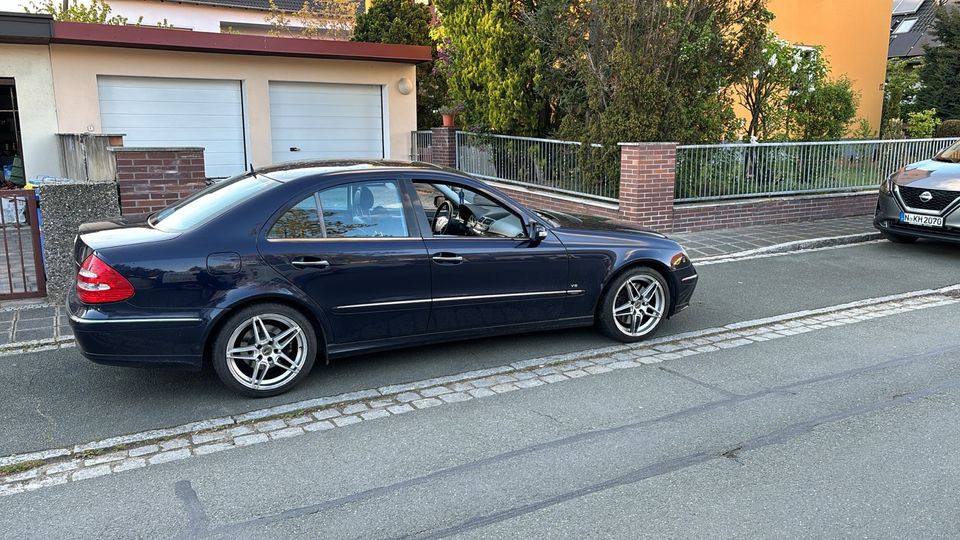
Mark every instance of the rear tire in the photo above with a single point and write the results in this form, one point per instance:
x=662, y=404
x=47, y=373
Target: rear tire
x=634, y=305
x=264, y=350
x=898, y=238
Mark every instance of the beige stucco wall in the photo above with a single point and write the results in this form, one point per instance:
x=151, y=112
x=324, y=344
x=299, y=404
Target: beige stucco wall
x=29, y=66
x=76, y=68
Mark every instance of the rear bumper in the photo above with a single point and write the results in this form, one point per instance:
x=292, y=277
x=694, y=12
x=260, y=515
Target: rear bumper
x=887, y=219
x=126, y=338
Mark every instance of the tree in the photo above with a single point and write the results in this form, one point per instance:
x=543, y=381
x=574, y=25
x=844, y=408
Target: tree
x=407, y=22
x=96, y=12
x=941, y=67
x=659, y=70
x=899, y=90
x=324, y=19
x=491, y=64
x=823, y=113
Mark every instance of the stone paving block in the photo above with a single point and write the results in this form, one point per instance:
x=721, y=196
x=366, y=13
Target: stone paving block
x=91, y=472
x=374, y=414
x=129, y=465
x=205, y=449
x=596, y=370
x=253, y=438
x=286, y=433
x=355, y=408
x=408, y=396
x=400, y=409
x=456, y=397
x=33, y=335
x=435, y=391
x=299, y=420
x=504, y=388
x=481, y=392
x=575, y=373
x=105, y=458
x=143, y=450
x=322, y=425
x=241, y=430
x=341, y=421
x=426, y=403
x=325, y=414
x=269, y=425
x=173, y=444
x=529, y=383
x=172, y=455
x=624, y=365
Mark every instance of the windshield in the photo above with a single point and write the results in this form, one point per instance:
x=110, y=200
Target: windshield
x=210, y=202
x=951, y=154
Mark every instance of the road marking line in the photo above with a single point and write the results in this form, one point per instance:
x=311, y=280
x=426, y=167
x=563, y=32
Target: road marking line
x=36, y=470
x=750, y=255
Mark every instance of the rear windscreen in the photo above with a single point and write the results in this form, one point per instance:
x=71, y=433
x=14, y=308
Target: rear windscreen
x=210, y=202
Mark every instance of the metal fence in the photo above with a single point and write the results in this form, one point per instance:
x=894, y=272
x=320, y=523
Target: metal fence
x=21, y=260
x=421, y=146
x=731, y=171
x=542, y=163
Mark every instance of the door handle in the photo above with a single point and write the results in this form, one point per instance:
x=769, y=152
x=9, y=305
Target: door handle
x=447, y=258
x=304, y=263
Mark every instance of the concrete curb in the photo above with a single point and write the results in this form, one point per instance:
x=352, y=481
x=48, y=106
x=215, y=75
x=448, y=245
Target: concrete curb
x=797, y=245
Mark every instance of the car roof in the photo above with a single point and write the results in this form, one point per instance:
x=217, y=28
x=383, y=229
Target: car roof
x=294, y=170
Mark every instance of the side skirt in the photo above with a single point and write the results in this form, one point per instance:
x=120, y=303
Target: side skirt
x=350, y=349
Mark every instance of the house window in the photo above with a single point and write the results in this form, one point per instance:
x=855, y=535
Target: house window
x=905, y=26
x=11, y=148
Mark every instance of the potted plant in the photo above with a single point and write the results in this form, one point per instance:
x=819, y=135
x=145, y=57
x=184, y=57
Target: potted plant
x=450, y=112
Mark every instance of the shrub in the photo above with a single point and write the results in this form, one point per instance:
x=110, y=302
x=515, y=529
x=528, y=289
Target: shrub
x=949, y=128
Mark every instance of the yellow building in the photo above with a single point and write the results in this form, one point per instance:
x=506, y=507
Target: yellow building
x=854, y=35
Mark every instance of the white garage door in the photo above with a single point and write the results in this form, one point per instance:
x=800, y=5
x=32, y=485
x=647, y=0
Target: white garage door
x=154, y=112
x=325, y=121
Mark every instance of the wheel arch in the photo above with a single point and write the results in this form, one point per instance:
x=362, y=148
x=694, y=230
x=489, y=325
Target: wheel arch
x=273, y=298
x=653, y=264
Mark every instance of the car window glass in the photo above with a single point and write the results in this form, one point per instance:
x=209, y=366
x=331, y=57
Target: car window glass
x=363, y=209
x=301, y=221
x=951, y=154
x=213, y=200
x=473, y=213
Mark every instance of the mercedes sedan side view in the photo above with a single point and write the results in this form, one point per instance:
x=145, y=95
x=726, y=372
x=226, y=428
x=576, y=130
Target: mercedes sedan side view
x=921, y=200
x=264, y=273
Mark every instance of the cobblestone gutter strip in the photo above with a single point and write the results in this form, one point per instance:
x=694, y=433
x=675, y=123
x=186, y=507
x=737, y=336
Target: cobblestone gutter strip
x=789, y=248
x=27, y=472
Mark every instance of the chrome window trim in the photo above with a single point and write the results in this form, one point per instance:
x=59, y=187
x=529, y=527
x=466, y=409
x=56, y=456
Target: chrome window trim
x=82, y=320
x=456, y=298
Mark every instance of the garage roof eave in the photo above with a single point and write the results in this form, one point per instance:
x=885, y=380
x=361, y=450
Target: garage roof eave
x=140, y=37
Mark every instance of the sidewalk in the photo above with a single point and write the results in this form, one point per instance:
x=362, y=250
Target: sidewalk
x=805, y=235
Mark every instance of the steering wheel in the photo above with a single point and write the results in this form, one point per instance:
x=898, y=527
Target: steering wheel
x=442, y=217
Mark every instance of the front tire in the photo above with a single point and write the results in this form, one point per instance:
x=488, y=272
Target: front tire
x=264, y=350
x=898, y=238
x=634, y=305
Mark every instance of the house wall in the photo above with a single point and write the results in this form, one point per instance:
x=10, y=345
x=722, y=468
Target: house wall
x=29, y=66
x=76, y=67
x=854, y=35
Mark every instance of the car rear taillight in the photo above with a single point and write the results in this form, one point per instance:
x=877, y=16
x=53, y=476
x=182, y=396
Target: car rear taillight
x=97, y=283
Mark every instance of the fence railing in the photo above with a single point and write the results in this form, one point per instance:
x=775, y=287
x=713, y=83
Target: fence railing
x=732, y=171
x=421, y=146
x=545, y=164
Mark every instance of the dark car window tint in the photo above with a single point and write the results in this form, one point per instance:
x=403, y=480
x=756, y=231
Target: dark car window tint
x=301, y=221
x=205, y=204
x=951, y=154
x=363, y=209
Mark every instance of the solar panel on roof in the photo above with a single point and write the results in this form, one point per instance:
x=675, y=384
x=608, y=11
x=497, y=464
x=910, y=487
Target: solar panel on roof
x=906, y=7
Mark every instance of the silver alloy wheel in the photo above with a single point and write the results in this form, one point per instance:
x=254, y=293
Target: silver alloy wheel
x=639, y=305
x=266, y=351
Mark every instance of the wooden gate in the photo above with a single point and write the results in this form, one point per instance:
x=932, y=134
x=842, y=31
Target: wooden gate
x=21, y=261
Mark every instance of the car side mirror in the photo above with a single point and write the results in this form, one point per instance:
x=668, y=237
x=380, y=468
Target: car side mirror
x=538, y=232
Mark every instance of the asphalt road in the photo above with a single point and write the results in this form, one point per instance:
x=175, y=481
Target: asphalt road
x=56, y=398
x=847, y=431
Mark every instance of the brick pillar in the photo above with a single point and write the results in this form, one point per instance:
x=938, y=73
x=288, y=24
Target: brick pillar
x=444, y=147
x=151, y=179
x=647, y=183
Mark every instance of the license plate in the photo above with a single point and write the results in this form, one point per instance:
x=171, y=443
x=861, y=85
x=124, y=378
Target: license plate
x=923, y=221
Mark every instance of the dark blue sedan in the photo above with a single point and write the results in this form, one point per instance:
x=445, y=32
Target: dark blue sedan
x=262, y=274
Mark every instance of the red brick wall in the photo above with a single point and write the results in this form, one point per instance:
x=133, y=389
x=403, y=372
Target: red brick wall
x=729, y=215
x=151, y=179
x=443, y=146
x=536, y=200
x=647, y=172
